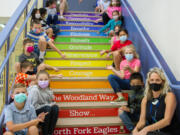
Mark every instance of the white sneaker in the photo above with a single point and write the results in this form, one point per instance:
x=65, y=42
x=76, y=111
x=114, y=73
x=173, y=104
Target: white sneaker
x=61, y=17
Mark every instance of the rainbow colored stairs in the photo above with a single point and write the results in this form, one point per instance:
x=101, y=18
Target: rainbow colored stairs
x=84, y=93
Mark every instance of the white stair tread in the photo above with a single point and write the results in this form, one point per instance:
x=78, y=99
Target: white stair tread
x=98, y=121
x=71, y=105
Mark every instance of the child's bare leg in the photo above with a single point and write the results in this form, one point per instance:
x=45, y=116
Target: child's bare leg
x=62, y=7
x=49, y=32
x=43, y=66
x=98, y=20
x=17, y=67
x=8, y=133
x=42, y=47
x=117, y=59
x=33, y=130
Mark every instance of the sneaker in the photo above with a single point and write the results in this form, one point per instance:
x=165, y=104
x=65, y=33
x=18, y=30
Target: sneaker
x=61, y=17
x=41, y=60
x=119, y=101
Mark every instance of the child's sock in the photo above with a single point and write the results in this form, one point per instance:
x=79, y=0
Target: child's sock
x=41, y=56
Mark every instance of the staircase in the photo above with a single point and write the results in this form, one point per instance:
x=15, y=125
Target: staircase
x=84, y=93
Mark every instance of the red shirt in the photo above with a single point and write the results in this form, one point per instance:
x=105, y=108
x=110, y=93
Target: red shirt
x=22, y=78
x=118, y=45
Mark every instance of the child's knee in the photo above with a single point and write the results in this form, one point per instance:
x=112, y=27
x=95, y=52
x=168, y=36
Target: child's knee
x=42, y=39
x=120, y=112
x=116, y=53
x=32, y=130
x=42, y=66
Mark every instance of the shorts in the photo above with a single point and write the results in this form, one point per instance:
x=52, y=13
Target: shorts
x=36, y=50
x=20, y=133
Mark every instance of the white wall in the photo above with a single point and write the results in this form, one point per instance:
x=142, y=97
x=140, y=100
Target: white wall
x=7, y=7
x=161, y=20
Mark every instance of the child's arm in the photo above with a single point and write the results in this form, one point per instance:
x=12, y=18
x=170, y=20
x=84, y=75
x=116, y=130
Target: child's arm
x=105, y=27
x=56, y=49
x=53, y=75
x=31, y=77
x=17, y=127
x=120, y=73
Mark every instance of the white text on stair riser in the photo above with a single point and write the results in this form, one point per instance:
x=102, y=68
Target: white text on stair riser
x=75, y=113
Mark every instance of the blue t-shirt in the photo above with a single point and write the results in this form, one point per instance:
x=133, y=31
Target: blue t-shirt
x=19, y=116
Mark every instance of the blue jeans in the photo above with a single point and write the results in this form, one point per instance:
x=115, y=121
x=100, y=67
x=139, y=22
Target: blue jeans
x=118, y=84
x=52, y=19
x=20, y=133
x=128, y=119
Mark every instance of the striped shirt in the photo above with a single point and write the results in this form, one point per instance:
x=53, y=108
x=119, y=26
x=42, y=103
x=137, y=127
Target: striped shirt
x=35, y=37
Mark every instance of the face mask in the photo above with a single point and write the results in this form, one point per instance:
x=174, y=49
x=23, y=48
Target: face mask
x=155, y=86
x=37, y=16
x=129, y=57
x=30, y=49
x=43, y=84
x=115, y=17
x=20, y=98
x=123, y=38
x=136, y=87
x=30, y=72
x=37, y=31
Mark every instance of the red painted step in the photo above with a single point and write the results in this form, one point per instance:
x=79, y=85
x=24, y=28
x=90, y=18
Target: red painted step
x=99, y=130
x=92, y=112
x=101, y=97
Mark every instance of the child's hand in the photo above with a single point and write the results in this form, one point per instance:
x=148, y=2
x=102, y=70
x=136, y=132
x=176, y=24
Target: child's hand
x=63, y=55
x=59, y=75
x=127, y=67
x=125, y=108
x=108, y=56
x=102, y=52
x=109, y=67
x=41, y=116
x=55, y=69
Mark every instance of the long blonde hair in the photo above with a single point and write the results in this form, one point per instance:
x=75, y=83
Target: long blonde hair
x=132, y=47
x=165, y=84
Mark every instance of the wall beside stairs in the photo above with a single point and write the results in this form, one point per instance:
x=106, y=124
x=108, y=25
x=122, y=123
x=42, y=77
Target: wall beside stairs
x=159, y=17
x=149, y=54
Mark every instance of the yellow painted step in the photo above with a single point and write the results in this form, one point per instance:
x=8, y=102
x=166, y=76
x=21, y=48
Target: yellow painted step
x=82, y=73
x=79, y=63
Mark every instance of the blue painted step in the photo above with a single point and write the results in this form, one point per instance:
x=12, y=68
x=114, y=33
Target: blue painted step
x=67, y=33
x=79, y=28
x=80, y=23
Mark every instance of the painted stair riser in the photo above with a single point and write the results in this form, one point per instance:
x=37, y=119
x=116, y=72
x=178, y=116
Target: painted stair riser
x=82, y=28
x=76, y=33
x=82, y=40
x=81, y=18
x=102, y=97
x=78, y=63
x=79, y=84
x=52, y=54
x=82, y=47
x=83, y=73
x=82, y=14
x=80, y=23
x=96, y=130
x=97, y=112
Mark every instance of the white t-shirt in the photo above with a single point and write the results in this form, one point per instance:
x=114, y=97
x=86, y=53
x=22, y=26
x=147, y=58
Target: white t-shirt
x=104, y=3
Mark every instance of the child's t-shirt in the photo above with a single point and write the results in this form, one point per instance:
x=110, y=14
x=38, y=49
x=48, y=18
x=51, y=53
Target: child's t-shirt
x=134, y=63
x=118, y=45
x=33, y=58
x=51, y=11
x=22, y=78
x=35, y=37
x=19, y=116
x=110, y=10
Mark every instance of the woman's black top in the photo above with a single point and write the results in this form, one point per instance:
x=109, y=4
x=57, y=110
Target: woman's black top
x=155, y=110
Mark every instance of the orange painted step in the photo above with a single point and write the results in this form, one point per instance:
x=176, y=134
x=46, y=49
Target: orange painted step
x=90, y=112
x=94, y=130
x=79, y=84
x=98, y=97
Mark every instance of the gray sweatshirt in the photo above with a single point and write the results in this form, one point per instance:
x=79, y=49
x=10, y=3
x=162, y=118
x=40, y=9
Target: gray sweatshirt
x=39, y=97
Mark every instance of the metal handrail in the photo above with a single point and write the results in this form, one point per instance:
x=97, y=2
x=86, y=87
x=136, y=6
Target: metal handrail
x=5, y=36
x=173, y=86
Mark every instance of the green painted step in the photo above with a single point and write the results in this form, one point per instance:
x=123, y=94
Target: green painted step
x=82, y=40
x=73, y=54
x=82, y=47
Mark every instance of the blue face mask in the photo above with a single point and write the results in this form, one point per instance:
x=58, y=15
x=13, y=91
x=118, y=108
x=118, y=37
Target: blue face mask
x=20, y=98
x=123, y=38
x=129, y=57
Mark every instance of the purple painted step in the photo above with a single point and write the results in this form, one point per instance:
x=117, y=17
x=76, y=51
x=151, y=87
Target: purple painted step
x=81, y=18
x=79, y=23
x=83, y=14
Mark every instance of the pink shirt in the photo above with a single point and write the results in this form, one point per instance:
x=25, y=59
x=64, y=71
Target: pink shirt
x=111, y=9
x=134, y=63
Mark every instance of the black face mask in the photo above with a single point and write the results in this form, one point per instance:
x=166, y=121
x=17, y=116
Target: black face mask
x=136, y=87
x=30, y=72
x=155, y=86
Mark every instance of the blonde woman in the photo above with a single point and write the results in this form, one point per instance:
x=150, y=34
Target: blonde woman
x=120, y=81
x=158, y=107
